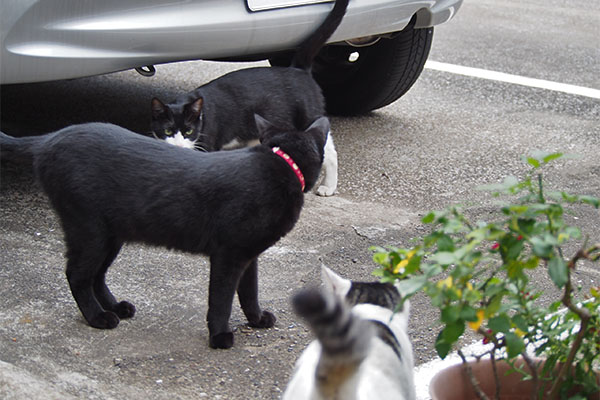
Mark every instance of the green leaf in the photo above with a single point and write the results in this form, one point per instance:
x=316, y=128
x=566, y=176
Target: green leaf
x=510, y=248
x=508, y=183
x=516, y=209
x=445, y=243
x=468, y=313
x=414, y=265
x=514, y=269
x=594, y=201
x=540, y=247
x=520, y=322
x=452, y=332
x=544, y=156
x=572, y=232
x=444, y=258
x=410, y=286
x=441, y=346
x=532, y=263
x=494, y=305
x=500, y=323
x=551, y=157
x=379, y=272
x=557, y=268
x=514, y=344
x=450, y=314
x=381, y=259
x=429, y=218
x=533, y=162
x=526, y=225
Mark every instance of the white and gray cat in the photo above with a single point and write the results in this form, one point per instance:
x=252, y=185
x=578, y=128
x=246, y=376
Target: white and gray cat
x=362, y=350
x=220, y=114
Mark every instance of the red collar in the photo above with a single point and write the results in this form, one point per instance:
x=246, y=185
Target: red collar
x=291, y=163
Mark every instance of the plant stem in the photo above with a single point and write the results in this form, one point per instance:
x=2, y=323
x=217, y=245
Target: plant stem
x=496, y=377
x=583, y=314
x=541, y=198
x=480, y=394
x=533, y=367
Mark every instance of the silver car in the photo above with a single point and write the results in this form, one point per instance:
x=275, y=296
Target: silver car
x=378, y=51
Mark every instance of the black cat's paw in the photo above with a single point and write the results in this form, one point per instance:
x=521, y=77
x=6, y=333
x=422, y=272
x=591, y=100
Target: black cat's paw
x=222, y=340
x=124, y=309
x=104, y=320
x=266, y=320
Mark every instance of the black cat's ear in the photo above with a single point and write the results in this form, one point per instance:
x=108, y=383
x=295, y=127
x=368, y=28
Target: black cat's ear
x=158, y=108
x=321, y=124
x=263, y=126
x=197, y=105
x=320, y=129
x=194, y=109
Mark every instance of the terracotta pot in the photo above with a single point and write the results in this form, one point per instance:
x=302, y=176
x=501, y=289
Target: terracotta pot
x=452, y=383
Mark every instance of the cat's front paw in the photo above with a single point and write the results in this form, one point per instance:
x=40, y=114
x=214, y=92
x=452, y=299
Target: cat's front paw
x=223, y=340
x=124, y=309
x=266, y=320
x=325, y=191
x=104, y=320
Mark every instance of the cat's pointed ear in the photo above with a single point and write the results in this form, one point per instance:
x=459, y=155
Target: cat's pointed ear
x=320, y=124
x=263, y=126
x=197, y=105
x=335, y=283
x=158, y=108
x=320, y=129
x=193, y=110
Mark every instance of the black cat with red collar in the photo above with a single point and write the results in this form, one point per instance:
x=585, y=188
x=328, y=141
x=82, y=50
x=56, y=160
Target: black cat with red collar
x=110, y=186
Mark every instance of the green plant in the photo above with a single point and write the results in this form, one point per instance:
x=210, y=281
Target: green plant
x=479, y=275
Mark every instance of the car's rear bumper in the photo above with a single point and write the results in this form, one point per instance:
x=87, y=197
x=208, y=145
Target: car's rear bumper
x=60, y=39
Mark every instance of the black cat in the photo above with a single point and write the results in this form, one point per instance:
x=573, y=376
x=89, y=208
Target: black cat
x=220, y=114
x=110, y=186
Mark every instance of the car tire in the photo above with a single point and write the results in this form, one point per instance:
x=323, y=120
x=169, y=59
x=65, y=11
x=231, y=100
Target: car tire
x=357, y=80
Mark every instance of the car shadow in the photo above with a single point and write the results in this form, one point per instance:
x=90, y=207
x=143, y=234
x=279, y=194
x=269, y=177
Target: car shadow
x=122, y=99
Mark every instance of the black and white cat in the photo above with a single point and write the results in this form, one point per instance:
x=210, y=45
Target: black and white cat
x=362, y=350
x=220, y=114
x=110, y=186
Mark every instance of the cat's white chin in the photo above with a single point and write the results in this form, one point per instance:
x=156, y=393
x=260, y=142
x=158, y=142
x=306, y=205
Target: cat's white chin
x=180, y=141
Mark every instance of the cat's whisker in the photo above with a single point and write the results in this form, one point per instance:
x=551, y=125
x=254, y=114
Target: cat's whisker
x=198, y=146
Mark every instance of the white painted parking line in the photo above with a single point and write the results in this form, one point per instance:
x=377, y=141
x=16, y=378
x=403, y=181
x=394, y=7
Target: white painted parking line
x=516, y=79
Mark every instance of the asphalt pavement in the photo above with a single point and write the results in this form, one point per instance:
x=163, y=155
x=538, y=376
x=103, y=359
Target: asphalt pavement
x=430, y=149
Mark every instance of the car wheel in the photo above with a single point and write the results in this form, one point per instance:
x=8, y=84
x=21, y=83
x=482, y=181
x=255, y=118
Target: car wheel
x=357, y=80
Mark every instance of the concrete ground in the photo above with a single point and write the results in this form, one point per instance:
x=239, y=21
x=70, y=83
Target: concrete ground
x=428, y=150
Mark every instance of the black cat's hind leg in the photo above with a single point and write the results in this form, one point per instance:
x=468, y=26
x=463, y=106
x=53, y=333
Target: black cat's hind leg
x=225, y=273
x=106, y=299
x=84, y=261
x=248, y=296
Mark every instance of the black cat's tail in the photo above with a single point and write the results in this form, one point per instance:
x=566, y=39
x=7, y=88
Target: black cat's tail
x=17, y=149
x=344, y=337
x=309, y=48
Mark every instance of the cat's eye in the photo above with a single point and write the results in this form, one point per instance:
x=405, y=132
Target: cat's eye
x=189, y=132
x=168, y=132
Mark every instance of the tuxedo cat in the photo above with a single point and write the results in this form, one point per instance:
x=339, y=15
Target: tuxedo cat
x=220, y=114
x=110, y=186
x=362, y=350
